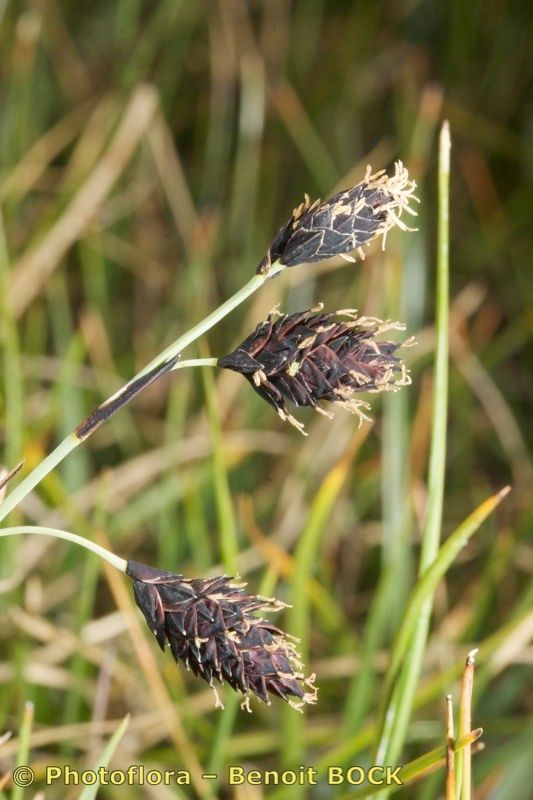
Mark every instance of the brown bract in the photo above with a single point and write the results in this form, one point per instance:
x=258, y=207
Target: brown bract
x=309, y=357
x=344, y=223
x=210, y=626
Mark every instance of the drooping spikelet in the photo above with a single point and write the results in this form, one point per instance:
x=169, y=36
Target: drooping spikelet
x=344, y=223
x=210, y=627
x=309, y=357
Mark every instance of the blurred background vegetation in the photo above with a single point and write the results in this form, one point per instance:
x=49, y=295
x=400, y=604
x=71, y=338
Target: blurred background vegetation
x=149, y=152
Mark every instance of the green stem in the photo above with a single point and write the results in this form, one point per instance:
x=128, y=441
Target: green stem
x=437, y=461
x=427, y=583
x=111, y=558
x=41, y=470
x=149, y=373
x=211, y=320
x=11, y=358
x=196, y=362
x=24, y=746
x=396, y=717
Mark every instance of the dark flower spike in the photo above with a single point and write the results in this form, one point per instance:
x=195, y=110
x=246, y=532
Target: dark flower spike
x=308, y=357
x=344, y=223
x=210, y=626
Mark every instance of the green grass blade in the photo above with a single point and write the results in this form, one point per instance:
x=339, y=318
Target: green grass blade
x=227, y=524
x=437, y=458
x=298, y=616
x=396, y=718
x=425, y=588
x=24, y=747
x=229, y=547
x=420, y=767
x=90, y=792
x=12, y=419
x=11, y=362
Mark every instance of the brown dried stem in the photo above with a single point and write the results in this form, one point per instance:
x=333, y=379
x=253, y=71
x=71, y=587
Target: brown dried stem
x=450, y=751
x=465, y=724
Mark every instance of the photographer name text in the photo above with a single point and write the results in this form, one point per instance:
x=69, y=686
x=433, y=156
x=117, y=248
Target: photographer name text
x=139, y=775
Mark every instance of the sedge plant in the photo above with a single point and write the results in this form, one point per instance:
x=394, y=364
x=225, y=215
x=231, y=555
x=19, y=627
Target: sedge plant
x=304, y=359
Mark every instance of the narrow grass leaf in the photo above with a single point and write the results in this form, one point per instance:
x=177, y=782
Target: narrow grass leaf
x=421, y=767
x=24, y=746
x=396, y=718
x=425, y=588
x=229, y=547
x=305, y=558
x=229, y=540
x=90, y=792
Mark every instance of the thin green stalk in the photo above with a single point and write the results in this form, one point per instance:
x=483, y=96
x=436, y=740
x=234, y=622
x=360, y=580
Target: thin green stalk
x=97, y=274
x=229, y=548
x=198, y=530
x=111, y=558
x=12, y=378
x=69, y=397
x=11, y=360
x=437, y=459
x=464, y=778
x=211, y=320
x=196, y=362
x=390, y=593
x=151, y=372
x=90, y=792
x=223, y=733
x=227, y=524
x=170, y=548
x=396, y=718
x=427, y=583
x=422, y=766
x=36, y=476
x=305, y=558
x=346, y=752
x=79, y=666
x=362, y=686
x=24, y=746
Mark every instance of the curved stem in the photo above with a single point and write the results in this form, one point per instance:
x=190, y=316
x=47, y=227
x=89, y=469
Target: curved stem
x=41, y=471
x=166, y=360
x=195, y=362
x=107, y=555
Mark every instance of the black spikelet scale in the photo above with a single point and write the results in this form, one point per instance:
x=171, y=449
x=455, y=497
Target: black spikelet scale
x=345, y=222
x=307, y=358
x=210, y=626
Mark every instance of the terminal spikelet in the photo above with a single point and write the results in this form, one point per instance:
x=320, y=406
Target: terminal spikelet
x=345, y=222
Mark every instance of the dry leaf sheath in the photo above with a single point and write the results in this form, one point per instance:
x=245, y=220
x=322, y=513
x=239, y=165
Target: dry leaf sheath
x=210, y=627
x=344, y=223
x=309, y=357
